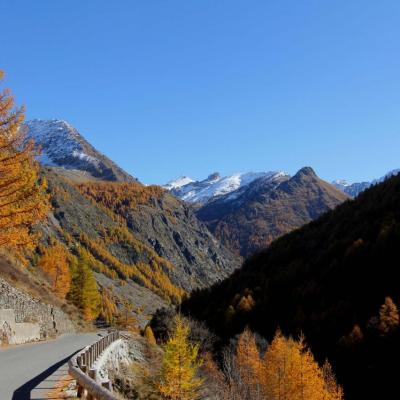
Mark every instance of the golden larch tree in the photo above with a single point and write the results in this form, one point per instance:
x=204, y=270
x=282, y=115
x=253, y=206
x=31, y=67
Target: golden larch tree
x=84, y=292
x=108, y=307
x=54, y=262
x=178, y=379
x=249, y=364
x=149, y=335
x=293, y=374
x=388, y=316
x=23, y=197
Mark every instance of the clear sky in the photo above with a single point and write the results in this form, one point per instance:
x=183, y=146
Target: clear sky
x=167, y=88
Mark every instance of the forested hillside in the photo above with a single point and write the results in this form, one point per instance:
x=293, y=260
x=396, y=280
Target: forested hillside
x=335, y=280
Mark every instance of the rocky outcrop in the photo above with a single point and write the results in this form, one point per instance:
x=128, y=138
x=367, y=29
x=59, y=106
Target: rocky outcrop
x=39, y=320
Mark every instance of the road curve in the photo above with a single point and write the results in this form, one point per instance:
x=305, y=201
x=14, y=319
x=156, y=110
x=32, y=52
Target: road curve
x=26, y=367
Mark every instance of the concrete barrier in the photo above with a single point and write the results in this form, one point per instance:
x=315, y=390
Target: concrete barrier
x=12, y=332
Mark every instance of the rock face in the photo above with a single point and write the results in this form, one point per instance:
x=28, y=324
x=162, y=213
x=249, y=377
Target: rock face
x=171, y=227
x=63, y=146
x=40, y=320
x=265, y=210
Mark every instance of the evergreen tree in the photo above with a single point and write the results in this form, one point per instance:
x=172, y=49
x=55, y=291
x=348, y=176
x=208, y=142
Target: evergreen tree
x=178, y=380
x=23, y=198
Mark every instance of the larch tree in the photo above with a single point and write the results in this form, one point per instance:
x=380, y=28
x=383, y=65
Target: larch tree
x=125, y=318
x=178, y=379
x=149, y=335
x=388, y=316
x=84, y=292
x=293, y=374
x=108, y=307
x=54, y=262
x=249, y=365
x=23, y=197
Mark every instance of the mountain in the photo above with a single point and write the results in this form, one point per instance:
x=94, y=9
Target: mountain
x=63, y=146
x=140, y=235
x=248, y=219
x=214, y=186
x=145, y=245
x=354, y=189
x=328, y=280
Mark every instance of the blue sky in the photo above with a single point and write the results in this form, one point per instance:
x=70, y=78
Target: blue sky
x=167, y=87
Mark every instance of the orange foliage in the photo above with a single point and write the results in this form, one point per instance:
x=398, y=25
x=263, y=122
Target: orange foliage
x=23, y=198
x=55, y=264
x=120, y=197
x=149, y=275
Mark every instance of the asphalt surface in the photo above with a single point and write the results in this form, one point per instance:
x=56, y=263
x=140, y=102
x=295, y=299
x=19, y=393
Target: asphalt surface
x=29, y=371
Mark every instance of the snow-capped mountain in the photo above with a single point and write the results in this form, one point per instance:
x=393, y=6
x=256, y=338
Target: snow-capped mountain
x=63, y=146
x=216, y=186
x=354, y=189
x=178, y=183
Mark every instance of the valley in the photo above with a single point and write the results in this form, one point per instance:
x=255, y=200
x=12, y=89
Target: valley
x=235, y=275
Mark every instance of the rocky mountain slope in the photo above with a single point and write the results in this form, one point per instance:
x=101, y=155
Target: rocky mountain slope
x=62, y=145
x=146, y=246
x=354, y=189
x=142, y=236
x=251, y=217
x=327, y=280
x=215, y=186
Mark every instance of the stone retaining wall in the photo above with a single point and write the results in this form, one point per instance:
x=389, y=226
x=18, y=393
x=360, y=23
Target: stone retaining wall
x=49, y=319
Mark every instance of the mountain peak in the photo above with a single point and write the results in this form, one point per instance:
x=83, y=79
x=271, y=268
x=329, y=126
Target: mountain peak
x=63, y=146
x=306, y=171
x=215, y=176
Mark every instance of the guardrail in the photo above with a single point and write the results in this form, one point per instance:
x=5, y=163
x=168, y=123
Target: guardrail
x=81, y=367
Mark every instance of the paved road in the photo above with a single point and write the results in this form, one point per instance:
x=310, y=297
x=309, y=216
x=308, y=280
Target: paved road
x=29, y=371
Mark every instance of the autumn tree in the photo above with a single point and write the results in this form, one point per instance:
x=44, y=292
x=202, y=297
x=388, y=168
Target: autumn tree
x=125, y=319
x=84, y=292
x=293, y=374
x=249, y=365
x=178, y=379
x=388, y=316
x=23, y=198
x=108, y=307
x=149, y=335
x=55, y=262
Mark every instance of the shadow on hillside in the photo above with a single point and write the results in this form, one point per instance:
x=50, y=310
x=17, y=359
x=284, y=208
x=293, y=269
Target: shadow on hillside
x=24, y=391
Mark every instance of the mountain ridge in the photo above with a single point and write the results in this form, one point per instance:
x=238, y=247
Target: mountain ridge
x=267, y=209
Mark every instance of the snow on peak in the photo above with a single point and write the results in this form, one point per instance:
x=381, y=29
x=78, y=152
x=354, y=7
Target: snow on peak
x=215, y=185
x=178, y=182
x=61, y=143
x=354, y=189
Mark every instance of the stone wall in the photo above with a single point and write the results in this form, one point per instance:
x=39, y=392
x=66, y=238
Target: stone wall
x=51, y=320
